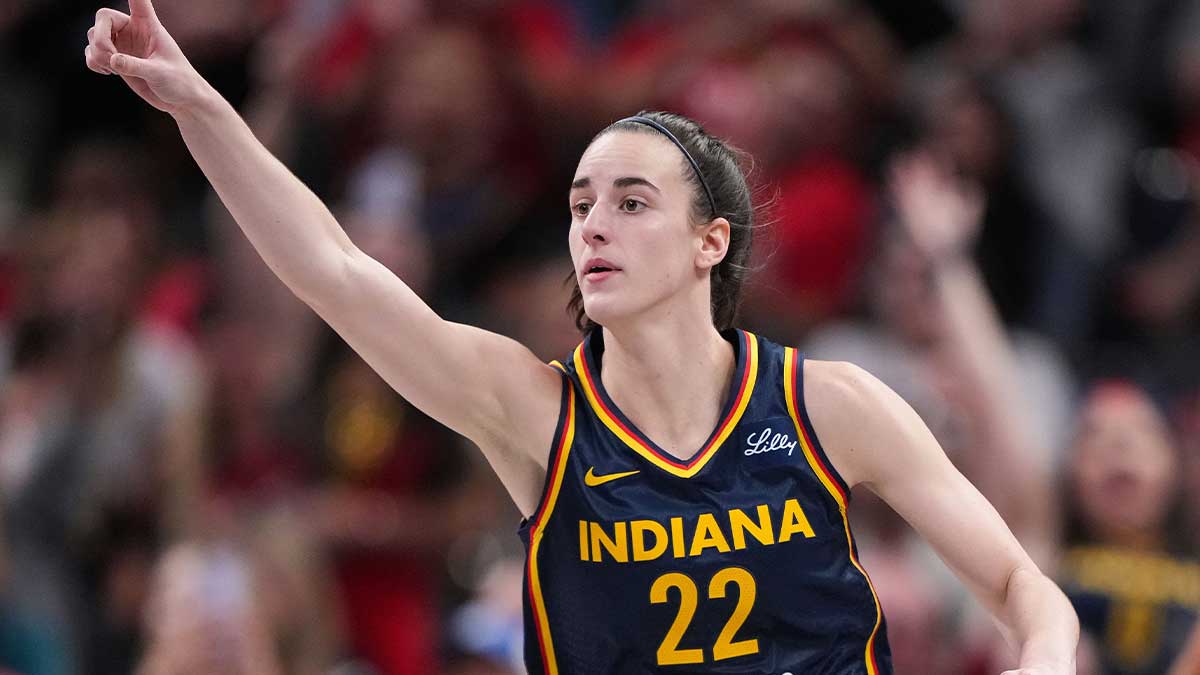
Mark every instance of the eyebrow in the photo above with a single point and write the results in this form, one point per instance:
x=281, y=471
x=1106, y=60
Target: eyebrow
x=624, y=181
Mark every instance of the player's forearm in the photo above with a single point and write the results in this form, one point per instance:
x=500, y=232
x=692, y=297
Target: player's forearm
x=1042, y=622
x=290, y=227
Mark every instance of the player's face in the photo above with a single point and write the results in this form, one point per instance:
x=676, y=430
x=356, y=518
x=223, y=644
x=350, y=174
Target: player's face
x=1124, y=468
x=632, y=241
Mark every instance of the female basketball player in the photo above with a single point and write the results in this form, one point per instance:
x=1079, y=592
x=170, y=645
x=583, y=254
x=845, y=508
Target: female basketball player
x=682, y=514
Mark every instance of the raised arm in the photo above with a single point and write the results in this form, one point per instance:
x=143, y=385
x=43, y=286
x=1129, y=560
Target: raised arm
x=874, y=438
x=484, y=386
x=1009, y=464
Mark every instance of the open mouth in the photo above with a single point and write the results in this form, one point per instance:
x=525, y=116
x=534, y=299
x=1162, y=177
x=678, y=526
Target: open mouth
x=599, y=268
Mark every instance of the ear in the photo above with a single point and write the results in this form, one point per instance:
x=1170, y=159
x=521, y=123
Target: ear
x=714, y=243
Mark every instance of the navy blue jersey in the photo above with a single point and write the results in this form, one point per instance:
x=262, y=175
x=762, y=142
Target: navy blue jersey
x=1140, y=606
x=739, y=560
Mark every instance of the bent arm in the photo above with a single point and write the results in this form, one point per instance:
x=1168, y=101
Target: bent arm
x=874, y=438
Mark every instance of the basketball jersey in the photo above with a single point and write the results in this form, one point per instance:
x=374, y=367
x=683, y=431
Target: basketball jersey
x=739, y=560
x=1140, y=606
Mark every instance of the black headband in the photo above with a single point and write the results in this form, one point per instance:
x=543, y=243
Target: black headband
x=638, y=119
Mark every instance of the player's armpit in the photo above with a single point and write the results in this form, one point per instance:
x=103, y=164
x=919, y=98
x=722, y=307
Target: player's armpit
x=482, y=385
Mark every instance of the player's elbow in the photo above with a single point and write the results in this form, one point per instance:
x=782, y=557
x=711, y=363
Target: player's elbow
x=335, y=280
x=1029, y=595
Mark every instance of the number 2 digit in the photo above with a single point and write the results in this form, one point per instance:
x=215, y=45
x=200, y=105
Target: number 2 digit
x=669, y=653
x=726, y=648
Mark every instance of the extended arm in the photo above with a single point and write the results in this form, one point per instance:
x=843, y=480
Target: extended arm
x=874, y=438
x=486, y=387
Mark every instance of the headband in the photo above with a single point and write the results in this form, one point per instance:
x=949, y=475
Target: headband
x=638, y=119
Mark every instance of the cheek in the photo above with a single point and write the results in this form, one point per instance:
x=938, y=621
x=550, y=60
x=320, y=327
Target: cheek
x=574, y=242
x=1160, y=470
x=1087, y=475
x=666, y=261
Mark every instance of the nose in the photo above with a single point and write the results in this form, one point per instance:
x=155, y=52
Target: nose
x=595, y=228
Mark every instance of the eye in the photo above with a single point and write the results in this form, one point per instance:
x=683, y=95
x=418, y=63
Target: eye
x=631, y=205
x=581, y=209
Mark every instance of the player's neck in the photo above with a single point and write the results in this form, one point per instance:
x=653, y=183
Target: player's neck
x=670, y=376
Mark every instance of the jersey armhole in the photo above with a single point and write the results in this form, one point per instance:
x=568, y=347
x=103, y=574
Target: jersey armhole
x=557, y=446
x=823, y=463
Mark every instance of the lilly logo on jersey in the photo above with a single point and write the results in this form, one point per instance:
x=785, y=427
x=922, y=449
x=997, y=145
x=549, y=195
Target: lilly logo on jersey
x=768, y=440
x=770, y=443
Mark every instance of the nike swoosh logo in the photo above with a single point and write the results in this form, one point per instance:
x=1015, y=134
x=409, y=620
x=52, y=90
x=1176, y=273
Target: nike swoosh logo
x=592, y=480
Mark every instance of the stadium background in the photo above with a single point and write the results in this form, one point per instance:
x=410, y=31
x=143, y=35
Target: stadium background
x=197, y=476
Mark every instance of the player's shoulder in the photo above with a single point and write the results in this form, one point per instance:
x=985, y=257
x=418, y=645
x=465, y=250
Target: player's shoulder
x=840, y=395
x=824, y=376
x=838, y=379
x=844, y=404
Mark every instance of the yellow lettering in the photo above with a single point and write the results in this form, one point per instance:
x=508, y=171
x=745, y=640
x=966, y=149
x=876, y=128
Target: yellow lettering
x=583, y=541
x=794, y=521
x=708, y=535
x=739, y=522
x=617, y=547
x=677, y=542
x=650, y=539
x=637, y=531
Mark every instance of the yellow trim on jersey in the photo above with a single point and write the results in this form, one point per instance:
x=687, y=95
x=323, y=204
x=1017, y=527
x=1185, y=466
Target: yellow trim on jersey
x=702, y=458
x=790, y=367
x=539, y=528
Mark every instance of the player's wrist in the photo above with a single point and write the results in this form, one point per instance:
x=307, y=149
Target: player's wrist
x=203, y=102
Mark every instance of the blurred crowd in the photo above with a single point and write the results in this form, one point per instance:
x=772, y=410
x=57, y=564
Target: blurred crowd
x=990, y=204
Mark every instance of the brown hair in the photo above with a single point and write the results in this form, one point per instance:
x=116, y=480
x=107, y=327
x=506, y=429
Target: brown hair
x=721, y=166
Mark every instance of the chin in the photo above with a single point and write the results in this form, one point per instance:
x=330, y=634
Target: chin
x=605, y=311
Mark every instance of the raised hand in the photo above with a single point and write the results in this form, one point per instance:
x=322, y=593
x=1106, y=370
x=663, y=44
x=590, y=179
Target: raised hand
x=138, y=48
x=940, y=212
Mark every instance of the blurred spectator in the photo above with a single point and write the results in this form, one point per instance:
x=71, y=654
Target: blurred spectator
x=822, y=211
x=1129, y=566
x=204, y=616
x=29, y=643
x=936, y=337
x=390, y=506
x=938, y=340
x=1147, y=329
x=104, y=424
x=960, y=122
